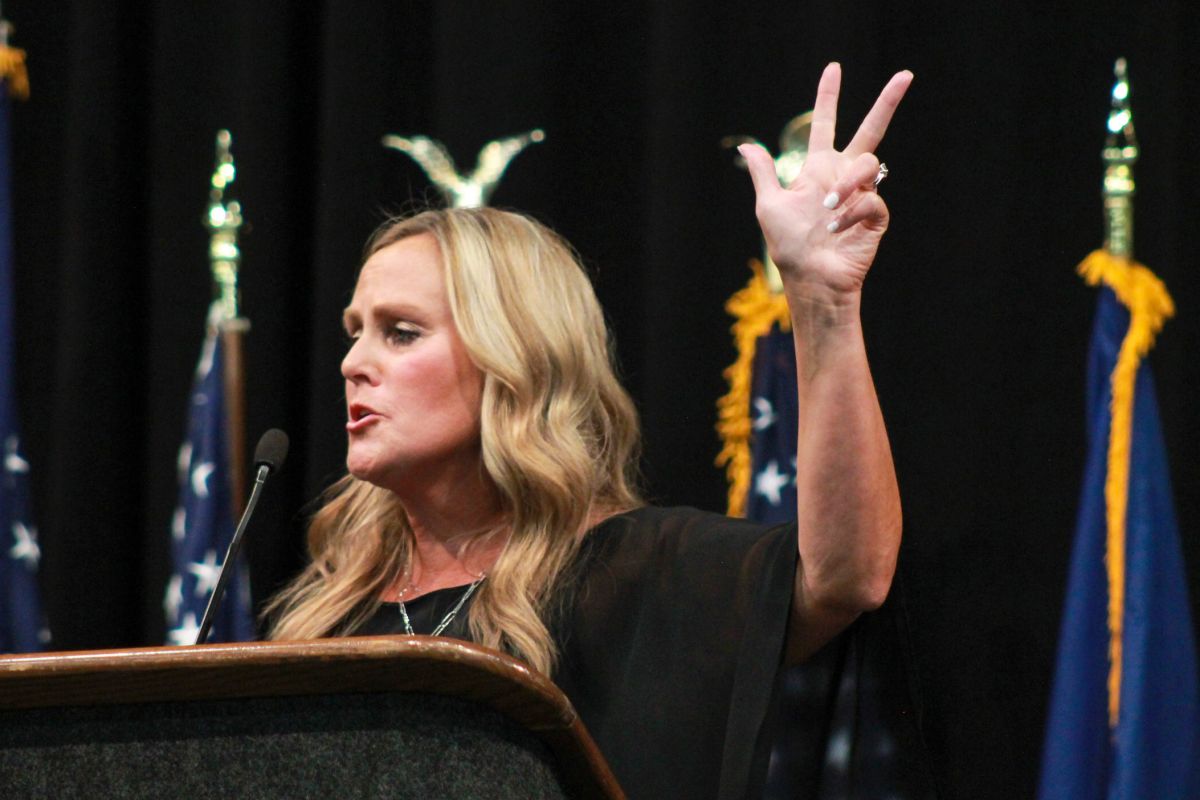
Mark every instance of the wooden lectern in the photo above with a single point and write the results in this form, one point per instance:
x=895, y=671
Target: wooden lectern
x=396, y=717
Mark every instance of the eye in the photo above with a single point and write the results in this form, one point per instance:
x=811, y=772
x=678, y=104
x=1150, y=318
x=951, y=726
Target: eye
x=401, y=334
x=350, y=337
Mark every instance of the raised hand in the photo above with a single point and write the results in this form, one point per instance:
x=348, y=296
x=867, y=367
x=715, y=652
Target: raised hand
x=824, y=229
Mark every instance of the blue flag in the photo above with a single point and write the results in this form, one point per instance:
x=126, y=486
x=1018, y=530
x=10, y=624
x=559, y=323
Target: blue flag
x=1153, y=750
x=203, y=524
x=22, y=626
x=772, y=494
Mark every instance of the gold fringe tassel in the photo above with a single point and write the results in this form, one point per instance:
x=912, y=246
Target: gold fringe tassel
x=12, y=70
x=755, y=309
x=1149, y=306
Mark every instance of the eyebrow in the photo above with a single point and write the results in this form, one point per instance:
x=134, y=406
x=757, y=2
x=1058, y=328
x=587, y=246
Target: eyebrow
x=401, y=310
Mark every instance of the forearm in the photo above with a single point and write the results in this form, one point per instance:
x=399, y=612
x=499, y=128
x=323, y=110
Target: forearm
x=848, y=503
x=823, y=231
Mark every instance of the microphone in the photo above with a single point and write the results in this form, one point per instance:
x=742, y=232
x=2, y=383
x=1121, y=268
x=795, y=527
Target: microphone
x=270, y=453
x=268, y=457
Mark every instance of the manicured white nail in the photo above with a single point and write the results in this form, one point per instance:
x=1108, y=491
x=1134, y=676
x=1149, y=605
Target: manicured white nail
x=831, y=200
x=832, y=227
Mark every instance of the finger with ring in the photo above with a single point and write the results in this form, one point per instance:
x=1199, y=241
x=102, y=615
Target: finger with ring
x=879, y=176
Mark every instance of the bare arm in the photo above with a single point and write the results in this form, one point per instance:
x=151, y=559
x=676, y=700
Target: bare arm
x=823, y=232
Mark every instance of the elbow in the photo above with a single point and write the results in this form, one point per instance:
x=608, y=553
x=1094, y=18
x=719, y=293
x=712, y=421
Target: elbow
x=875, y=582
x=860, y=583
x=871, y=593
x=854, y=594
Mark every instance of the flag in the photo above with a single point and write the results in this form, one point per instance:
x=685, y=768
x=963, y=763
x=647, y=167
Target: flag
x=1124, y=717
x=22, y=625
x=772, y=495
x=848, y=717
x=203, y=524
x=757, y=418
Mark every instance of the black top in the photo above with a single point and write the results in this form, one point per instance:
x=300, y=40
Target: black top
x=671, y=640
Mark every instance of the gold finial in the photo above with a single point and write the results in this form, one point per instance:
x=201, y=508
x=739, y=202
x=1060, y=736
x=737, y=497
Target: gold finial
x=223, y=221
x=464, y=191
x=793, y=149
x=1120, y=154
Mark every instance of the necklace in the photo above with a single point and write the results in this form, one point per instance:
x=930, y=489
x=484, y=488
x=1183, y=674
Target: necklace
x=446, y=620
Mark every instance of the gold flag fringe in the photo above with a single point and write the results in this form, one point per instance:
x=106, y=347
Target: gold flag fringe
x=755, y=309
x=12, y=70
x=1149, y=306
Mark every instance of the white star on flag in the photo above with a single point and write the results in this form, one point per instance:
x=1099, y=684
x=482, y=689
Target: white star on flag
x=179, y=524
x=12, y=459
x=183, y=462
x=186, y=632
x=200, y=478
x=765, y=414
x=26, y=548
x=770, y=482
x=206, y=573
x=173, y=599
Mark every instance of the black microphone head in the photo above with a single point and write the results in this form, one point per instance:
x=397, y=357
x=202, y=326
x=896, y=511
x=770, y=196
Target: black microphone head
x=272, y=450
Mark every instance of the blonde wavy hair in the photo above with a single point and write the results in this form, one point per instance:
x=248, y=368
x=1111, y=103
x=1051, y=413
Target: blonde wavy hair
x=558, y=433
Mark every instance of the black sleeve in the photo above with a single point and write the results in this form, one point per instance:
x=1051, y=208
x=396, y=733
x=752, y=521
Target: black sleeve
x=671, y=646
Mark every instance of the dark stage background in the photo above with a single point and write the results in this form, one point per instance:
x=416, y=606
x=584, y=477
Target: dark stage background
x=976, y=322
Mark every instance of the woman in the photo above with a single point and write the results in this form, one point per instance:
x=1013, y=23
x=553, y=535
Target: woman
x=491, y=452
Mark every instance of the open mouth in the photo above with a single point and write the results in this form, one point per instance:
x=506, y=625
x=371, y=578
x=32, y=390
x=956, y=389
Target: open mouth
x=360, y=416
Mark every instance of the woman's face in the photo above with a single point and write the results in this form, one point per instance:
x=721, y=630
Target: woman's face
x=412, y=394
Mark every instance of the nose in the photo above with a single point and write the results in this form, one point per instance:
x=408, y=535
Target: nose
x=357, y=366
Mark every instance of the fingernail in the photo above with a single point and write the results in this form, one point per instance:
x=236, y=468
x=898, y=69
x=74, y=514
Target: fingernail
x=741, y=148
x=831, y=200
x=832, y=227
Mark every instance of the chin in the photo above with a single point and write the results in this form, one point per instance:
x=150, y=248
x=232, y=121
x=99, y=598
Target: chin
x=365, y=469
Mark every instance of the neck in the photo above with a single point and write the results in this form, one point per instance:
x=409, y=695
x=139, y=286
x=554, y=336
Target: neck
x=457, y=537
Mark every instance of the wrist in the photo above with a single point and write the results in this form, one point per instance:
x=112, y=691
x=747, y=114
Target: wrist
x=823, y=306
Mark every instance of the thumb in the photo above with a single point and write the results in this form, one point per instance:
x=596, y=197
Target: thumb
x=762, y=169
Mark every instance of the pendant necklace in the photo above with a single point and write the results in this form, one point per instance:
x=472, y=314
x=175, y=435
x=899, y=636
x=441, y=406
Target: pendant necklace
x=446, y=620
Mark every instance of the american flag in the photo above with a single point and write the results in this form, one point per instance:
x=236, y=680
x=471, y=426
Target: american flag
x=203, y=523
x=22, y=626
x=772, y=495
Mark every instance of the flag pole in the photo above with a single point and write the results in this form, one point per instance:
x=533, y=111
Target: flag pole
x=224, y=219
x=1149, y=306
x=1120, y=154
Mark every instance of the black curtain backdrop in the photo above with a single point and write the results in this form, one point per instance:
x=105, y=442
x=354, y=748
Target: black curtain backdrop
x=976, y=322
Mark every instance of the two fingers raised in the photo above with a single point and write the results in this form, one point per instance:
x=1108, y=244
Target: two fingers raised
x=865, y=165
